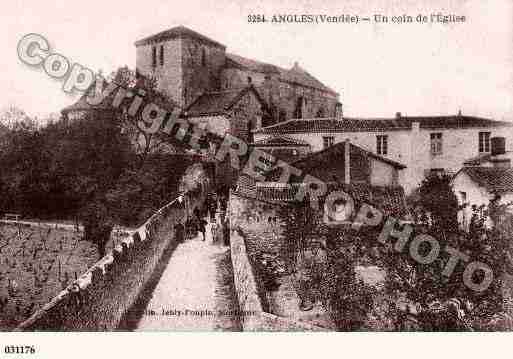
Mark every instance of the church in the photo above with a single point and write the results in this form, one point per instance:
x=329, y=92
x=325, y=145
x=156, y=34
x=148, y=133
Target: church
x=207, y=82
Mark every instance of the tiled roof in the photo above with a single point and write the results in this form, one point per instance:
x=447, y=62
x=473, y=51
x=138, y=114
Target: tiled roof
x=390, y=200
x=477, y=160
x=347, y=124
x=218, y=102
x=494, y=179
x=295, y=75
x=177, y=32
x=281, y=141
x=482, y=158
x=338, y=149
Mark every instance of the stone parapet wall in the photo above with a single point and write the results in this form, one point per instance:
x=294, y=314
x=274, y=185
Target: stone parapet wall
x=255, y=318
x=101, y=298
x=245, y=284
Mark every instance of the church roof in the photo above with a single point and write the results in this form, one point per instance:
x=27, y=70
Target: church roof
x=218, y=102
x=177, y=32
x=494, y=179
x=318, y=125
x=296, y=75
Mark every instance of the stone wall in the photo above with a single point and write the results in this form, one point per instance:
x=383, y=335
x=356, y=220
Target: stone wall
x=246, y=287
x=105, y=296
x=248, y=239
x=283, y=96
x=169, y=75
x=245, y=116
x=201, y=64
x=190, y=67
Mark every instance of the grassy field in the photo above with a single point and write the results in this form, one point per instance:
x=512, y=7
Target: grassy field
x=36, y=263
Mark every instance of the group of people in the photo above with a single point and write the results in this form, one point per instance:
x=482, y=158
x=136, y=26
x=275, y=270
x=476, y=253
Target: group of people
x=198, y=223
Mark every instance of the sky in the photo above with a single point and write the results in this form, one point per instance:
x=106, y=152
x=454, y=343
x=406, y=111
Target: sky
x=378, y=69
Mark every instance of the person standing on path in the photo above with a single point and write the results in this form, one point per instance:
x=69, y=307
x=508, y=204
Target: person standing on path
x=201, y=223
x=203, y=227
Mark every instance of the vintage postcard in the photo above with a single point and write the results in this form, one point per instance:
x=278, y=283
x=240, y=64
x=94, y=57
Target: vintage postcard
x=256, y=166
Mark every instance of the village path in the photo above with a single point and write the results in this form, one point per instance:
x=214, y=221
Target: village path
x=195, y=291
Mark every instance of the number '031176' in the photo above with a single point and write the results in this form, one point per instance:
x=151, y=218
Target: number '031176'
x=19, y=349
x=256, y=18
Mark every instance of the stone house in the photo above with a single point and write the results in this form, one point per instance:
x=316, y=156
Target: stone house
x=233, y=111
x=188, y=64
x=424, y=144
x=478, y=184
x=367, y=177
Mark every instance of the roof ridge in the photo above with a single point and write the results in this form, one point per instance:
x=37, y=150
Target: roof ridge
x=179, y=30
x=261, y=62
x=341, y=144
x=276, y=124
x=236, y=89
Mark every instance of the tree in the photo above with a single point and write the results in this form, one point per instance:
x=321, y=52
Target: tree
x=437, y=198
x=13, y=117
x=89, y=156
x=145, y=143
x=331, y=281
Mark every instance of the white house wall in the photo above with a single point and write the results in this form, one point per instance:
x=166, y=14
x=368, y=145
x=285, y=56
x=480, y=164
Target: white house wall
x=382, y=174
x=476, y=195
x=413, y=148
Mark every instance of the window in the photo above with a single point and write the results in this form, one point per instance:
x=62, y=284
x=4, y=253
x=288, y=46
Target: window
x=437, y=172
x=463, y=196
x=484, y=142
x=282, y=115
x=436, y=143
x=328, y=141
x=203, y=57
x=154, y=56
x=298, y=113
x=161, y=55
x=382, y=144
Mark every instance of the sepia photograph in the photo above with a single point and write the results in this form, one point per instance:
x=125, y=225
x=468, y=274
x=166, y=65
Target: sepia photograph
x=255, y=166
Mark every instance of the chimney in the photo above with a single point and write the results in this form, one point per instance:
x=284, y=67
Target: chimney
x=347, y=159
x=498, y=154
x=498, y=146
